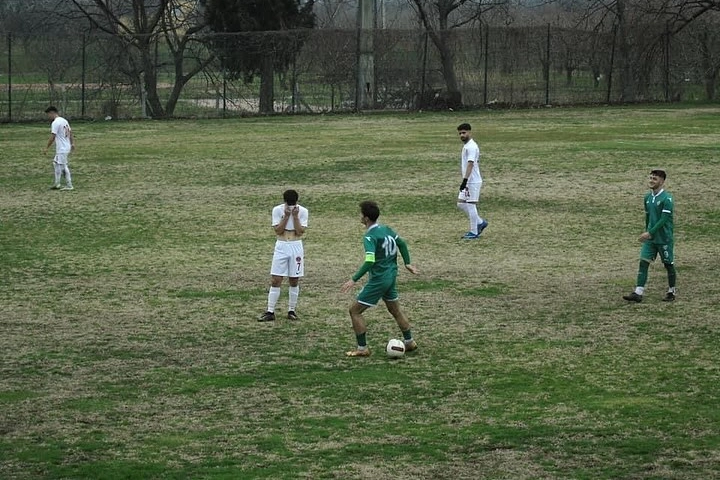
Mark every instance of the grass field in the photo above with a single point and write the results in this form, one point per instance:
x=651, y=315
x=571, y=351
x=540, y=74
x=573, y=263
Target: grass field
x=129, y=347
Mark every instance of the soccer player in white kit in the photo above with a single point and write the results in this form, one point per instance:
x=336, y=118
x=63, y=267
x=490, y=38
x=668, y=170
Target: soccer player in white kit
x=61, y=135
x=289, y=220
x=471, y=182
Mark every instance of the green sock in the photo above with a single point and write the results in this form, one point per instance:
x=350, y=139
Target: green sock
x=361, y=340
x=672, y=274
x=642, y=273
x=407, y=334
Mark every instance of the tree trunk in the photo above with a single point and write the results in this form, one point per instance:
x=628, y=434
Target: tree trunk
x=447, y=60
x=625, y=80
x=267, y=86
x=150, y=80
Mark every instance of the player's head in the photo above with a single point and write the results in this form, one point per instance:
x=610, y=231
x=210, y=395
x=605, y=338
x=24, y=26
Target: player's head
x=659, y=173
x=369, y=211
x=290, y=197
x=51, y=111
x=657, y=179
x=465, y=132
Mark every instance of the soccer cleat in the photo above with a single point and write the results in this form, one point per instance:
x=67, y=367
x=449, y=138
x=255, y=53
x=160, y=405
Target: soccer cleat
x=292, y=315
x=359, y=353
x=482, y=226
x=471, y=236
x=410, y=346
x=267, y=317
x=669, y=297
x=633, y=297
x=55, y=187
x=69, y=187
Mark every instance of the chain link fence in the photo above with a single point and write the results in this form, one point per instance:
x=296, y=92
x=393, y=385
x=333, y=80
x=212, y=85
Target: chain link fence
x=97, y=76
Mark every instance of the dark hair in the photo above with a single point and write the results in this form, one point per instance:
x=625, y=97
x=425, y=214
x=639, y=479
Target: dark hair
x=370, y=209
x=51, y=108
x=290, y=197
x=464, y=126
x=659, y=173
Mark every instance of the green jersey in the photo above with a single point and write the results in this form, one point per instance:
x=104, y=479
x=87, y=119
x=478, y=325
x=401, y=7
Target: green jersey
x=659, y=217
x=381, y=248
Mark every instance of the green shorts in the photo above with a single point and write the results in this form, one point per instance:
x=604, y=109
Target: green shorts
x=375, y=289
x=650, y=250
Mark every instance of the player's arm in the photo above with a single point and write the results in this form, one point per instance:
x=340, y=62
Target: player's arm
x=405, y=253
x=299, y=227
x=664, y=217
x=468, y=172
x=366, y=266
x=72, y=139
x=51, y=140
x=279, y=227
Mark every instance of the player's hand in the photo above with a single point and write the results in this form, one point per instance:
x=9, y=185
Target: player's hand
x=412, y=269
x=347, y=286
x=645, y=237
x=463, y=184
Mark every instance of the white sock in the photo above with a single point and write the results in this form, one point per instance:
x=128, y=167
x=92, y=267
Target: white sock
x=68, y=177
x=273, y=296
x=671, y=290
x=465, y=207
x=639, y=290
x=58, y=173
x=294, y=294
x=474, y=217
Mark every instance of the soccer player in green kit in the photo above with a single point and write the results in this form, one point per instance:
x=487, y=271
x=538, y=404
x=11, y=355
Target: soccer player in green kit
x=381, y=248
x=657, y=239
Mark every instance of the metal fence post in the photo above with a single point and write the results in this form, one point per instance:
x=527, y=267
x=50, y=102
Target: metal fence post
x=485, y=65
x=547, y=67
x=667, y=62
x=9, y=82
x=82, y=88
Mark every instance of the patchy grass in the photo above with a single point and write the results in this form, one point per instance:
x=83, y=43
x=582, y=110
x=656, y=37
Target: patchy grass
x=129, y=345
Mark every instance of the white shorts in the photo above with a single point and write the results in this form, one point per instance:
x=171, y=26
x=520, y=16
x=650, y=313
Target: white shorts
x=61, y=158
x=288, y=259
x=471, y=193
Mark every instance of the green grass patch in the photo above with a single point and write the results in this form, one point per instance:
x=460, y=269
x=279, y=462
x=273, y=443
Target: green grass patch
x=130, y=347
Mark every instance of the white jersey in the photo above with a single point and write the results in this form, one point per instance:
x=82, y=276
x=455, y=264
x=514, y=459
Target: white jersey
x=471, y=153
x=61, y=129
x=279, y=212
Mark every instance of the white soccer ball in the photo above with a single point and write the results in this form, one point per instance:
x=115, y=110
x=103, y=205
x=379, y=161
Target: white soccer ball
x=395, y=348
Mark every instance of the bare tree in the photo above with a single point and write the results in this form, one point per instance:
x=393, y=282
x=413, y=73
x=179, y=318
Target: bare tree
x=440, y=18
x=141, y=27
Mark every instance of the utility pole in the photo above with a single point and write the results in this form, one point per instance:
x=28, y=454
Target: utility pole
x=365, y=90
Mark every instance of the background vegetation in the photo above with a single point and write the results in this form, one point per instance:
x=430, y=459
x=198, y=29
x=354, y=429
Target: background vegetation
x=130, y=347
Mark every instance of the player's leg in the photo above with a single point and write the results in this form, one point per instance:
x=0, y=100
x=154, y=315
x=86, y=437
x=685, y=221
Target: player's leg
x=297, y=271
x=463, y=206
x=368, y=297
x=58, y=173
x=392, y=302
x=278, y=270
x=358, y=324
x=473, y=201
x=648, y=252
x=68, y=177
x=666, y=253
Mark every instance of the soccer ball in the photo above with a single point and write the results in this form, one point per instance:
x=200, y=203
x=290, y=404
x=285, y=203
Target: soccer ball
x=395, y=348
